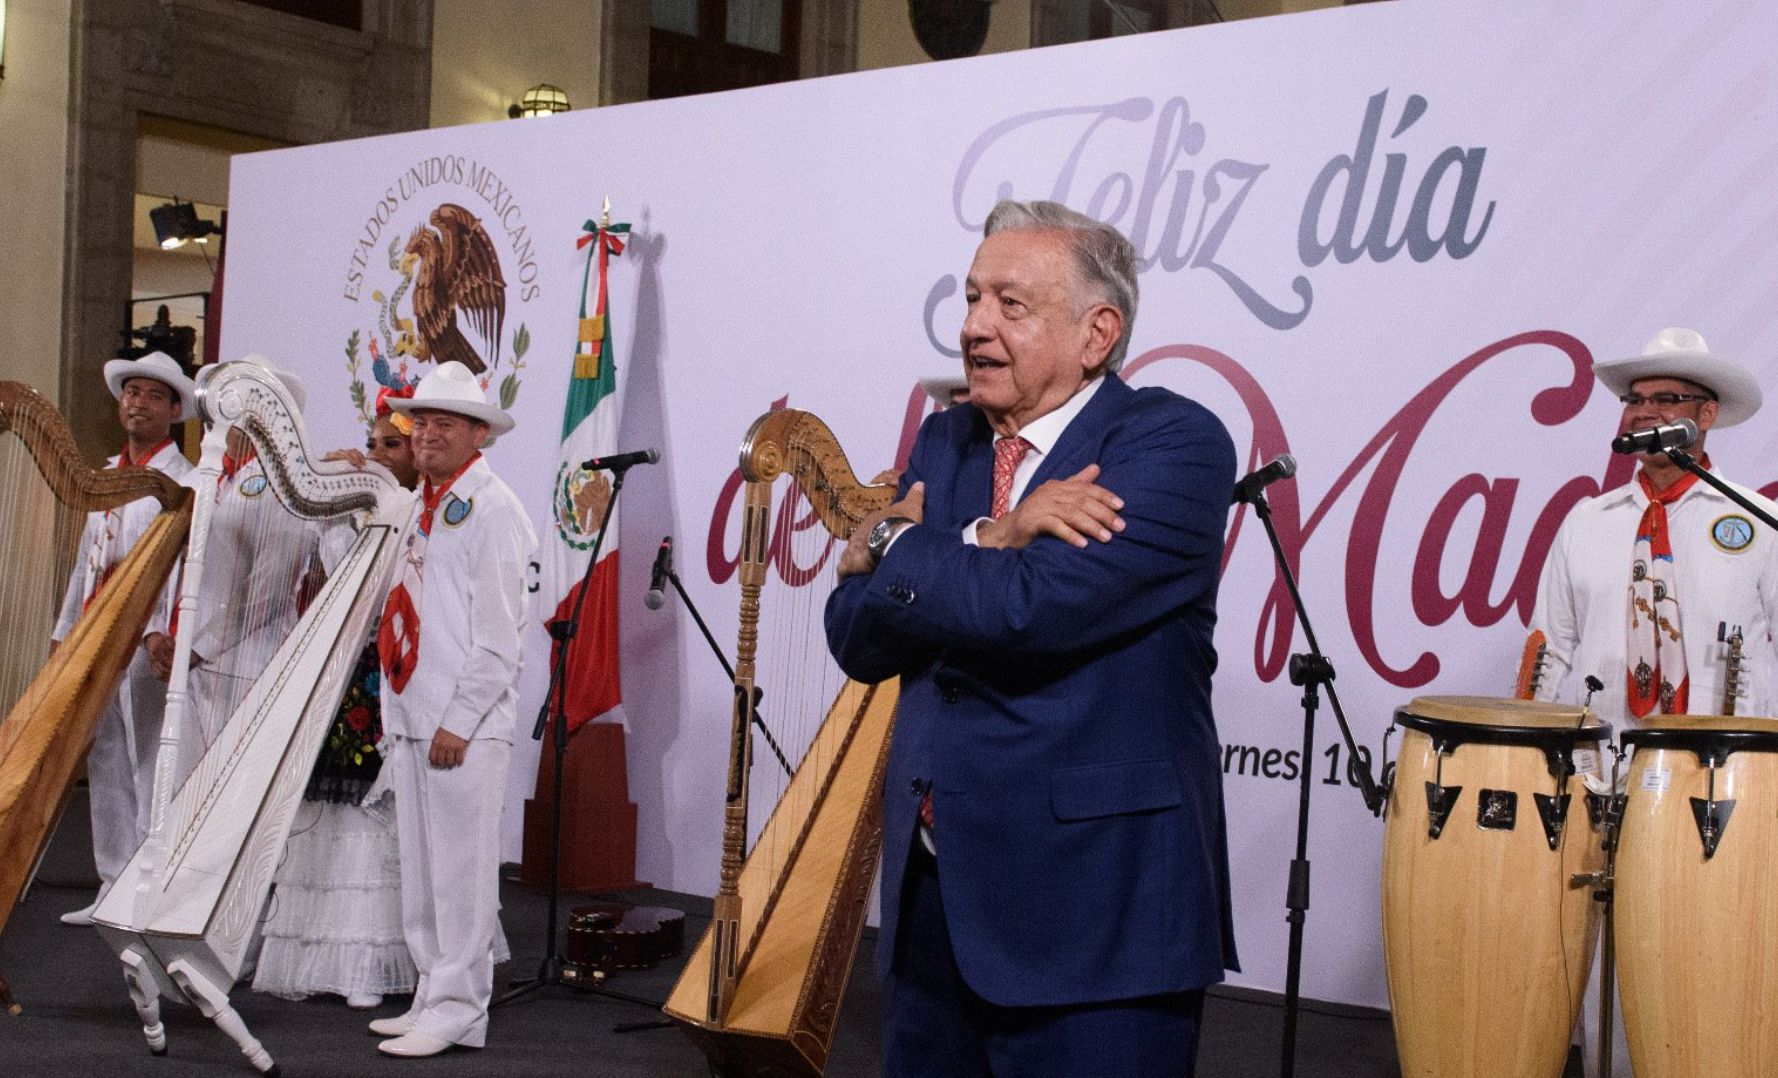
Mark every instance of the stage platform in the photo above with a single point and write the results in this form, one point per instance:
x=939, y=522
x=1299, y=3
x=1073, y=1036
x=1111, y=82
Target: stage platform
x=78, y=1021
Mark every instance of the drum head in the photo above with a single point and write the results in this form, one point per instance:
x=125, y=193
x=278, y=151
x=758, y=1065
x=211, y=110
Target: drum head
x=1734, y=723
x=1500, y=711
x=1711, y=737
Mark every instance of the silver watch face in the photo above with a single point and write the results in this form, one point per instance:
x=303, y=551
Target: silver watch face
x=879, y=536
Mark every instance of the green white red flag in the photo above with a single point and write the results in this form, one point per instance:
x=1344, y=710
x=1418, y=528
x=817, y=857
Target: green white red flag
x=578, y=497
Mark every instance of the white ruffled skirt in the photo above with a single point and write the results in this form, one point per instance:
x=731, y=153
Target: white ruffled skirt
x=334, y=921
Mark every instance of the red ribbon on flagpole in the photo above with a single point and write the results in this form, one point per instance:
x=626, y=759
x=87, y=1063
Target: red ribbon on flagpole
x=609, y=244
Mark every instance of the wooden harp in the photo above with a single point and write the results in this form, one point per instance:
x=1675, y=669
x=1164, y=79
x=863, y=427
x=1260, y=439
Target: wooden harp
x=761, y=992
x=181, y=915
x=52, y=706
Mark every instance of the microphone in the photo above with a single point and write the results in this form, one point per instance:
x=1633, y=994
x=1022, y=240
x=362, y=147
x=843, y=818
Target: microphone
x=1283, y=466
x=1675, y=435
x=663, y=564
x=620, y=461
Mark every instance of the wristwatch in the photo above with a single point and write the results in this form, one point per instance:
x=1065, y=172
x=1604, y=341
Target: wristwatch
x=876, y=544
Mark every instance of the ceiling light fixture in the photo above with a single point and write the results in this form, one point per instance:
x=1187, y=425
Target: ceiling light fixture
x=540, y=100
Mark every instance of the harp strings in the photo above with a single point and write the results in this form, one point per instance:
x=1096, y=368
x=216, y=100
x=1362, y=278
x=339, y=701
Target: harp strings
x=799, y=677
x=259, y=570
x=262, y=564
x=39, y=545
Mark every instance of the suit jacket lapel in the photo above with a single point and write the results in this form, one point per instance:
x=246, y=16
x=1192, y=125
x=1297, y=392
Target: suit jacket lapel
x=1074, y=450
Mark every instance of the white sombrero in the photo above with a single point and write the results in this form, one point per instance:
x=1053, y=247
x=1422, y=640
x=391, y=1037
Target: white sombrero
x=292, y=384
x=452, y=388
x=1682, y=353
x=162, y=368
x=940, y=387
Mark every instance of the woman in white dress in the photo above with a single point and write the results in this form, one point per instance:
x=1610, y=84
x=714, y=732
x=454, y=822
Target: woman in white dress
x=334, y=922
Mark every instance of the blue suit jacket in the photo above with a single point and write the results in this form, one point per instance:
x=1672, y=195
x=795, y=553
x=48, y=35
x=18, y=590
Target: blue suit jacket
x=1058, y=701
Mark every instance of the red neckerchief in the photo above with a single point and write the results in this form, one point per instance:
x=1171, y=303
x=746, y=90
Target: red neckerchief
x=430, y=496
x=1654, y=518
x=124, y=460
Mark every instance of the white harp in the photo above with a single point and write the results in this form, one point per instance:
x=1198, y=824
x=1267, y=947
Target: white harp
x=181, y=916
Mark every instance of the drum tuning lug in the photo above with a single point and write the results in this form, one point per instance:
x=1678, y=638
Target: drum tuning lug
x=1553, y=811
x=1713, y=820
x=1439, y=802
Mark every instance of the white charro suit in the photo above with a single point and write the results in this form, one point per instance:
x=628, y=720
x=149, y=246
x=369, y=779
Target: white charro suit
x=471, y=607
x=120, y=764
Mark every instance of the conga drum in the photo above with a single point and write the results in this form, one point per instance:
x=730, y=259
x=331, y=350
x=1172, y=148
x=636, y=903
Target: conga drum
x=1697, y=897
x=1486, y=941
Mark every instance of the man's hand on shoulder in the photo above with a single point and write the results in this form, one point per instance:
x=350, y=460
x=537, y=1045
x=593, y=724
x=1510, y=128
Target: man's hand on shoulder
x=856, y=559
x=1075, y=510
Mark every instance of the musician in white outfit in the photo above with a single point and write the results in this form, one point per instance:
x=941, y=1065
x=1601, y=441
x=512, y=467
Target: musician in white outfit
x=154, y=397
x=260, y=561
x=1669, y=544
x=449, y=645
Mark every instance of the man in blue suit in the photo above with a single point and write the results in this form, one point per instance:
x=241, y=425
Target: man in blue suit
x=1055, y=871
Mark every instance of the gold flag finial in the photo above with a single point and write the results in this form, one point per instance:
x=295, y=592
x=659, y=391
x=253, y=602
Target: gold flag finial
x=605, y=222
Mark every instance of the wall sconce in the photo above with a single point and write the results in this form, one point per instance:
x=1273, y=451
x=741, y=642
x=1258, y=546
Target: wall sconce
x=540, y=100
x=177, y=222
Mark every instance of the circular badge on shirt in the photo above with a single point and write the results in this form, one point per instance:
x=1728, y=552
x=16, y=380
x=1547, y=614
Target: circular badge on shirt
x=1733, y=533
x=456, y=511
x=253, y=487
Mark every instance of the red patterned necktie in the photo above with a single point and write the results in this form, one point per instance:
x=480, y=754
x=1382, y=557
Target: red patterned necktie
x=1655, y=674
x=1009, y=453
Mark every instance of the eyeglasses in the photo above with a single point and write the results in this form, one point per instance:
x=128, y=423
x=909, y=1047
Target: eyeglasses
x=1663, y=400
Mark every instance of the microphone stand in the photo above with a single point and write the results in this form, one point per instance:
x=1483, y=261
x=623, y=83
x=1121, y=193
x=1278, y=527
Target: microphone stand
x=729, y=669
x=549, y=972
x=1312, y=671
x=1686, y=461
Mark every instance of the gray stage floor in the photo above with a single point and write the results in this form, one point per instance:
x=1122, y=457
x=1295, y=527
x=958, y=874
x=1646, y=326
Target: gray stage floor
x=78, y=1021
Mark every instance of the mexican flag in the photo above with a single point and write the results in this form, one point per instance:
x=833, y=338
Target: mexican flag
x=578, y=497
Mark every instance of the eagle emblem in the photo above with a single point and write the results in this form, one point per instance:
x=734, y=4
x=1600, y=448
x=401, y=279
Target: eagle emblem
x=456, y=270
x=448, y=302
x=579, y=503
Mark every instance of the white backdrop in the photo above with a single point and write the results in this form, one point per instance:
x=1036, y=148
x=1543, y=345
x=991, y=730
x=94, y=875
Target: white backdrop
x=1389, y=238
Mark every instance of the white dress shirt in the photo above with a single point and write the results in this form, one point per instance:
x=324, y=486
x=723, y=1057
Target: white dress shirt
x=472, y=604
x=100, y=553
x=1725, y=566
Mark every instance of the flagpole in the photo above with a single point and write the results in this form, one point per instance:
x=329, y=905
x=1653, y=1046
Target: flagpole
x=562, y=632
